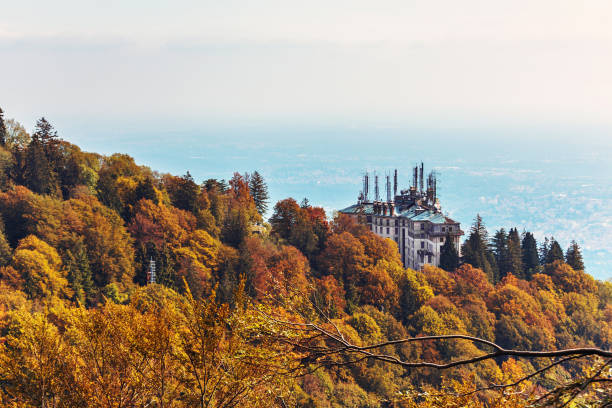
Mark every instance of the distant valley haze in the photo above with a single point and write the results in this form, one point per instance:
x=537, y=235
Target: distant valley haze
x=510, y=102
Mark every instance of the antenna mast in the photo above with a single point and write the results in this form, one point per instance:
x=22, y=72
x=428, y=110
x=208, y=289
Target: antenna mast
x=394, y=184
x=421, y=177
x=151, y=275
x=377, y=196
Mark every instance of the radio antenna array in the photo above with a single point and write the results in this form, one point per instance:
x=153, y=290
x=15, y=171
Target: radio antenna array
x=376, y=193
x=151, y=275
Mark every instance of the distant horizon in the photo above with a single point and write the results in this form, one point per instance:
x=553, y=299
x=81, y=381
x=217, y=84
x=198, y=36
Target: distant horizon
x=513, y=99
x=550, y=187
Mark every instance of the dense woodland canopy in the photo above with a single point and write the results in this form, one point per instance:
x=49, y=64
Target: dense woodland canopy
x=79, y=326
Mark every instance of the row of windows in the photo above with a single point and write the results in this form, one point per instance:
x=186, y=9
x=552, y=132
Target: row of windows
x=381, y=230
x=397, y=223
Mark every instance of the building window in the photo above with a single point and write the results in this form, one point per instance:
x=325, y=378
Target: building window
x=450, y=229
x=441, y=239
x=428, y=258
x=387, y=230
x=387, y=222
x=443, y=229
x=423, y=226
x=422, y=244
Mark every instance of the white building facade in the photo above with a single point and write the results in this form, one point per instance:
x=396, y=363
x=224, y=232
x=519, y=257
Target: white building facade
x=413, y=219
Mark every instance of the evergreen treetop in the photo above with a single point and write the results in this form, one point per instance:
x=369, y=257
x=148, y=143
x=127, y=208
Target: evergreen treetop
x=555, y=253
x=475, y=249
x=515, y=256
x=573, y=257
x=531, y=260
x=500, y=250
x=449, y=257
x=259, y=192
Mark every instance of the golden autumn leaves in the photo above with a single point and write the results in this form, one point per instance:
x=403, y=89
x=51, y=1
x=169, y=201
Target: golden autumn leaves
x=162, y=349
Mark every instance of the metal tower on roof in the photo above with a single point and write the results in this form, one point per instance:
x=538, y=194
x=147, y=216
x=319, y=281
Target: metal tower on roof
x=376, y=193
x=151, y=273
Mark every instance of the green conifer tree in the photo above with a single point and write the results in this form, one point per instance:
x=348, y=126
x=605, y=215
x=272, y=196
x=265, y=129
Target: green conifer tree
x=186, y=194
x=500, y=250
x=259, y=192
x=515, y=256
x=555, y=253
x=573, y=257
x=449, y=257
x=475, y=249
x=543, y=251
x=38, y=173
x=79, y=272
x=531, y=261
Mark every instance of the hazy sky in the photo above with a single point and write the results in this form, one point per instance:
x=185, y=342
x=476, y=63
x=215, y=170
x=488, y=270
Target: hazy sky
x=384, y=62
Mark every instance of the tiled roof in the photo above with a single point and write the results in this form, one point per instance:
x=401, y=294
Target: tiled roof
x=410, y=213
x=357, y=208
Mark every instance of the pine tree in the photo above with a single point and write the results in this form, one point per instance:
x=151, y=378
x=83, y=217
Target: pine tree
x=500, y=250
x=79, y=272
x=38, y=173
x=2, y=129
x=47, y=136
x=259, y=192
x=573, y=257
x=449, y=257
x=515, y=256
x=475, y=249
x=186, y=194
x=531, y=261
x=555, y=253
x=543, y=251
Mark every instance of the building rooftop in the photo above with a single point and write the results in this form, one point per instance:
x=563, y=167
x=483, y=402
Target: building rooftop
x=414, y=212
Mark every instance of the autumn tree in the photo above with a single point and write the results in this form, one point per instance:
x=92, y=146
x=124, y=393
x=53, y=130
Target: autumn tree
x=303, y=227
x=223, y=367
x=39, y=267
x=16, y=135
x=35, y=364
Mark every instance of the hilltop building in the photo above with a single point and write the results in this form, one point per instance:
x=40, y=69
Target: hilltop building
x=413, y=218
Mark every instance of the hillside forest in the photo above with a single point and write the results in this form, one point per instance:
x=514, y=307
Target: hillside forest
x=305, y=309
